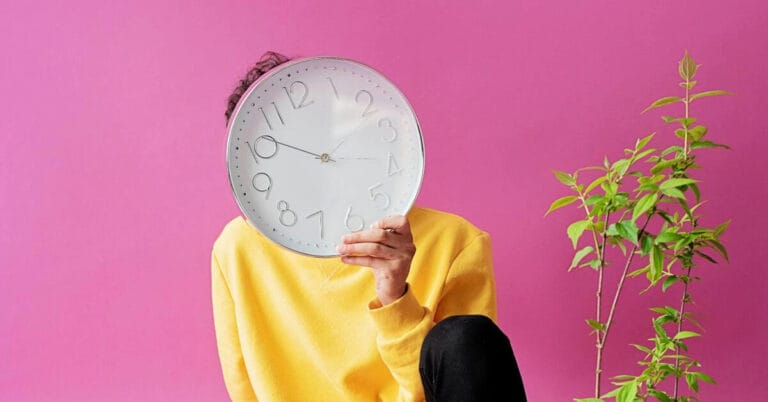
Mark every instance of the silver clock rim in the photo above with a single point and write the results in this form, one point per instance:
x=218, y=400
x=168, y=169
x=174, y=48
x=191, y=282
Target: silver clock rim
x=279, y=68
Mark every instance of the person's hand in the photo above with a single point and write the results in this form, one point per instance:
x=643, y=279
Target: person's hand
x=387, y=247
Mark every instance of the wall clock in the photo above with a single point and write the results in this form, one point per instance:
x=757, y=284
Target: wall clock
x=320, y=147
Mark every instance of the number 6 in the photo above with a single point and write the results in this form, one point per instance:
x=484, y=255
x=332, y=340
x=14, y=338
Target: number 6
x=349, y=218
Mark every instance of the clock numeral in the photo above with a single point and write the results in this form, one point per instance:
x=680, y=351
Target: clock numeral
x=333, y=86
x=387, y=123
x=262, y=183
x=392, y=167
x=384, y=197
x=266, y=118
x=264, y=140
x=354, y=223
x=287, y=216
x=305, y=95
x=252, y=148
x=261, y=149
x=320, y=214
x=367, y=111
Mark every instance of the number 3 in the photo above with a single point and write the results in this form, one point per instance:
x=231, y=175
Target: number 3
x=388, y=124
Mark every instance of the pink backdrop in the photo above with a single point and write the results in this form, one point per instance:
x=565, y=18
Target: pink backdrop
x=113, y=183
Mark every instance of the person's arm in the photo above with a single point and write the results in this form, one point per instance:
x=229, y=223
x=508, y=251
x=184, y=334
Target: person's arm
x=231, y=358
x=403, y=322
x=402, y=326
x=470, y=287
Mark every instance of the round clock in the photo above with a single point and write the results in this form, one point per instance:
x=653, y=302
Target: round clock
x=320, y=147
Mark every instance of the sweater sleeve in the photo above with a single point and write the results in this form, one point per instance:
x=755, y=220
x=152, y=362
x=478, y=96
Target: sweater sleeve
x=469, y=289
x=231, y=358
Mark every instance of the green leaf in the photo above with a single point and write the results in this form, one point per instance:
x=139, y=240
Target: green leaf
x=564, y=178
x=663, y=164
x=721, y=228
x=716, y=244
x=696, y=191
x=641, y=155
x=575, y=230
x=594, y=184
x=692, y=381
x=641, y=348
x=594, y=264
x=596, y=324
x=667, y=236
x=673, y=192
x=620, y=167
x=627, y=392
x=610, y=189
x=638, y=272
x=670, y=119
x=593, y=200
x=660, y=395
x=645, y=244
x=703, y=377
x=579, y=256
x=669, y=282
x=641, y=143
x=706, y=257
x=697, y=133
x=687, y=67
x=644, y=205
x=707, y=144
x=685, y=335
x=627, y=230
x=663, y=101
x=672, y=183
x=561, y=202
x=686, y=122
x=657, y=264
x=716, y=92
x=673, y=148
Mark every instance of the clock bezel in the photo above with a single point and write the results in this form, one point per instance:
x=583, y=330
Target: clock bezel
x=277, y=69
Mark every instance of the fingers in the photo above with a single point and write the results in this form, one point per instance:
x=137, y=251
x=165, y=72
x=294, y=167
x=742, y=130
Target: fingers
x=375, y=235
x=376, y=250
x=363, y=261
x=398, y=223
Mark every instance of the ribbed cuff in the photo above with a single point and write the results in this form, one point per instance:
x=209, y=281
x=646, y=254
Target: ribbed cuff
x=398, y=317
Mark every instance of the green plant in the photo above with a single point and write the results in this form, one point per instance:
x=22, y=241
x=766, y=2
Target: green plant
x=647, y=205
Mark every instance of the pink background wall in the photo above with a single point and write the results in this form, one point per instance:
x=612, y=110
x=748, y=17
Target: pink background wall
x=113, y=185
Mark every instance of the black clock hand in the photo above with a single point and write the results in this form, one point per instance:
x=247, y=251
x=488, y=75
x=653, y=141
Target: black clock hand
x=323, y=157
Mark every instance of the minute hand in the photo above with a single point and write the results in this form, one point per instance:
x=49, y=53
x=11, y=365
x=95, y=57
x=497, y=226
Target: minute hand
x=318, y=156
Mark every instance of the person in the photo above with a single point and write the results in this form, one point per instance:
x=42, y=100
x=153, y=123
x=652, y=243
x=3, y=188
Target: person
x=405, y=313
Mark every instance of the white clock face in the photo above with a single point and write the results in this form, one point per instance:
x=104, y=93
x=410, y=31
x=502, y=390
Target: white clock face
x=321, y=147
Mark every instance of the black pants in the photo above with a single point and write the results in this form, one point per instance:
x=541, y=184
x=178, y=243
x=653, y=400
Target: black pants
x=468, y=359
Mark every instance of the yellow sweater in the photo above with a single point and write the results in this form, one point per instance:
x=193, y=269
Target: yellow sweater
x=296, y=328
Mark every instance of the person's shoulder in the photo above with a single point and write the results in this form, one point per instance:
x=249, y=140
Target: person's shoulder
x=234, y=234
x=433, y=223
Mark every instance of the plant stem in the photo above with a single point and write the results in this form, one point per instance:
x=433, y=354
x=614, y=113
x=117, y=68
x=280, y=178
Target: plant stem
x=688, y=271
x=680, y=326
x=599, y=340
x=621, y=281
x=685, y=126
x=600, y=251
